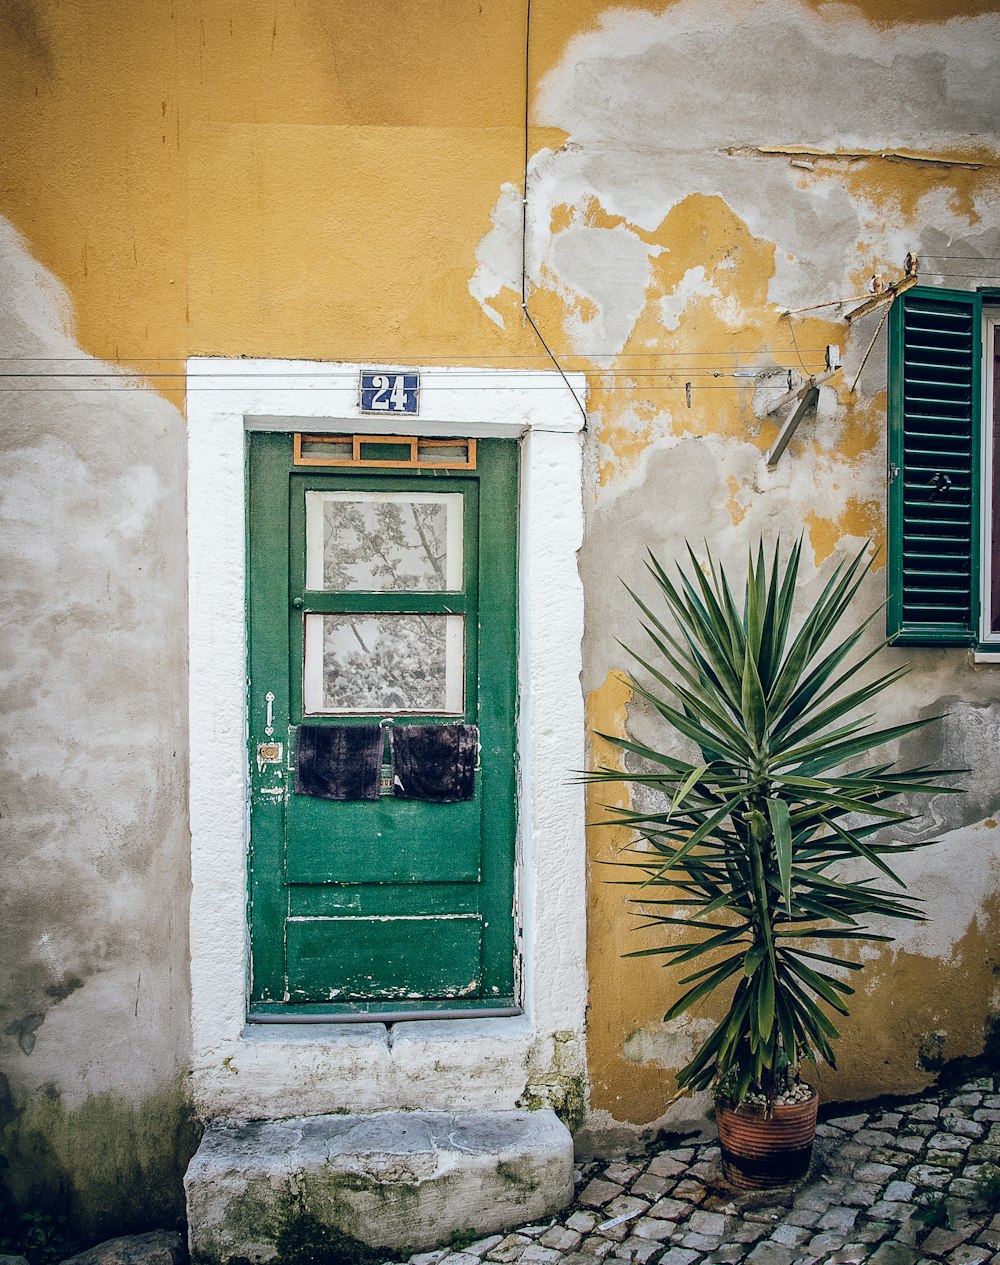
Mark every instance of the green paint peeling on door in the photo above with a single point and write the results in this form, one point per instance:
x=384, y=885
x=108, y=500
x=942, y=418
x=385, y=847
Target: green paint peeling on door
x=381, y=597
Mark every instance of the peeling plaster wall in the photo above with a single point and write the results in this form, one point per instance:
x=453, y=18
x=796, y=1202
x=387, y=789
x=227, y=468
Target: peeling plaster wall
x=204, y=180
x=724, y=163
x=94, y=1040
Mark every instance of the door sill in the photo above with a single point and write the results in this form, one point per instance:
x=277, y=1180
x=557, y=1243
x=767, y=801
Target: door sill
x=383, y=1016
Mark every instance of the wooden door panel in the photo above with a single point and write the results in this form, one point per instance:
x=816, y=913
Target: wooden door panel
x=389, y=958
x=382, y=900
x=388, y=841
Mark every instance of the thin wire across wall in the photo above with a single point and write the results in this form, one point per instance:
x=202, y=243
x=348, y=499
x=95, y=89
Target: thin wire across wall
x=707, y=368
x=193, y=386
x=43, y=374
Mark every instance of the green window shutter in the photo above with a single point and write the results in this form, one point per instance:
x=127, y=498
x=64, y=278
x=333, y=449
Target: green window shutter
x=934, y=446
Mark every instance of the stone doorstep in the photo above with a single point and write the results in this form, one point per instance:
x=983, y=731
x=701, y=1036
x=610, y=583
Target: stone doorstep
x=395, y=1180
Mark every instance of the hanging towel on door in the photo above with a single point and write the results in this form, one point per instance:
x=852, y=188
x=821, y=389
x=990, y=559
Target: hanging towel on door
x=338, y=761
x=434, y=762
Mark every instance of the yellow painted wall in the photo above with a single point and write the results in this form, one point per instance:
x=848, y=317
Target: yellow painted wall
x=242, y=179
x=300, y=180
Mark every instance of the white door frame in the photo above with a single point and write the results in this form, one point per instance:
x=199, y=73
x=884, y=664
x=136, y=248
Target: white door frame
x=458, y=1064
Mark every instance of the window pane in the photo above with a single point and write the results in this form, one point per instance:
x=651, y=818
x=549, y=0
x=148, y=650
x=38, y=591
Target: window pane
x=383, y=542
x=330, y=448
x=384, y=663
x=439, y=453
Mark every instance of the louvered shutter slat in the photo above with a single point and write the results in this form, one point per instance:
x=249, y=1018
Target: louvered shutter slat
x=934, y=498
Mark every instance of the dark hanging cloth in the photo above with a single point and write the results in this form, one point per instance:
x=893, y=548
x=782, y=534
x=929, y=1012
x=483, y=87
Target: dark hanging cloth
x=434, y=762
x=338, y=761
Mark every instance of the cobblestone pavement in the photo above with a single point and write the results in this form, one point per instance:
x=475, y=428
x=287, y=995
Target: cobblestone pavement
x=909, y=1185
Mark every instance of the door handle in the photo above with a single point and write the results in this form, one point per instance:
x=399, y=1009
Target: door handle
x=269, y=720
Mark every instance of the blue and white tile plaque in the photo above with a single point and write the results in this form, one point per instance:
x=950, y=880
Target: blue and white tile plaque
x=392, y=393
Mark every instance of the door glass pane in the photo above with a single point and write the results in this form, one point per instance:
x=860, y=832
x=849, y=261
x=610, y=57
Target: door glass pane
x=384, y=663
x=383, y=542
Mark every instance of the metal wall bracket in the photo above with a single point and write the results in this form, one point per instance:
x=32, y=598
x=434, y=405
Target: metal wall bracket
x=810, y=399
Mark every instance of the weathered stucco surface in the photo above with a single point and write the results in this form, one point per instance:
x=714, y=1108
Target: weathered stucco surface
x=724, y=164
x=207, y=181
x=93, y=994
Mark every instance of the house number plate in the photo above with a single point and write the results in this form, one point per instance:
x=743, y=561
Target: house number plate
x=392, y=393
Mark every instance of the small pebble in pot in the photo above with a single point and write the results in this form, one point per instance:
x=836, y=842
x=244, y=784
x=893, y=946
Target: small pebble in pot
x=794, y=1094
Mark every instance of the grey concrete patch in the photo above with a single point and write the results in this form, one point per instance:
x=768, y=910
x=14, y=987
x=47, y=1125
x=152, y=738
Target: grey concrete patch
x=402, y=1179
x=95, y=1040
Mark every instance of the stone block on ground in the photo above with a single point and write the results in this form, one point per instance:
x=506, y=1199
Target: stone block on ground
x=850, y=1254
x=482, y=1246
x=651, y=1186
x=596, y=1247
x=769, y=1253
x=507, y=1250
x=641, y=1250
x=158, y=1247
x=970, y=1254
x=561, y=1238
x=394, y=1180
x=654, y=1229
x=535, y=1254
x=893, y=1254
x=679, y=1256
x=598, y=1192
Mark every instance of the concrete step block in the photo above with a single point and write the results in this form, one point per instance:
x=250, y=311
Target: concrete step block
x=407, y=1179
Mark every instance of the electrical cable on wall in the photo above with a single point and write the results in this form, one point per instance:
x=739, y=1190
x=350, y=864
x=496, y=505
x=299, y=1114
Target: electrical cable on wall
x=524, y=216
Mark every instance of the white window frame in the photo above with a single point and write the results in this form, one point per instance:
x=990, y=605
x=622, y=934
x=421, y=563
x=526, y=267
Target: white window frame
x=276, y=1070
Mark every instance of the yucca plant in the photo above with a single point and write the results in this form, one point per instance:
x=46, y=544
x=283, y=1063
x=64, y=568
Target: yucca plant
x=755, y=853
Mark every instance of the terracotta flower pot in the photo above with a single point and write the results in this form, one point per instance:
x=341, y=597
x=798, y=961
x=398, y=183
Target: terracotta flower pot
x=759, y=1152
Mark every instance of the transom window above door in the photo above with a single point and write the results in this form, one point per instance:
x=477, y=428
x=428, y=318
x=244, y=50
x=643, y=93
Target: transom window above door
x=384, y=452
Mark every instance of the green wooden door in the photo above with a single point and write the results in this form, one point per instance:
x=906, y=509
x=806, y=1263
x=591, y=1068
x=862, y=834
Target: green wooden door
x=381, y=596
